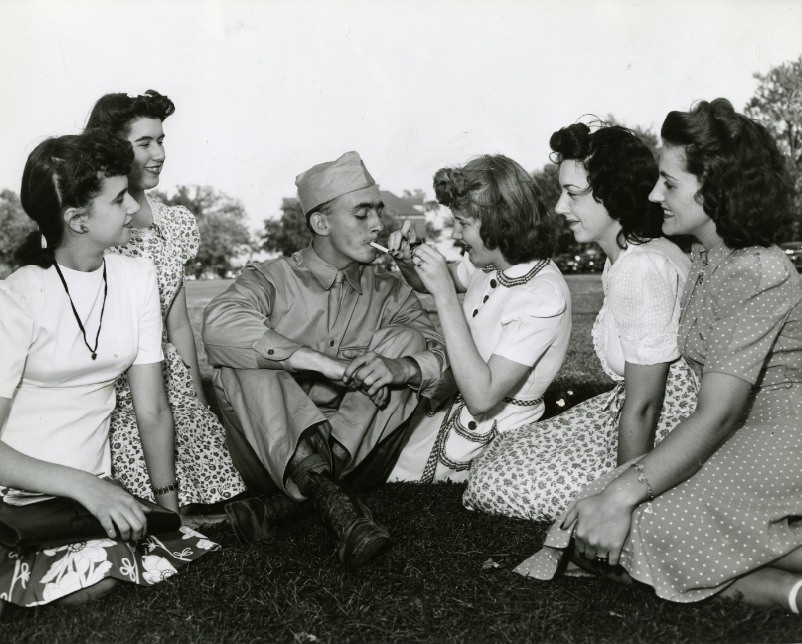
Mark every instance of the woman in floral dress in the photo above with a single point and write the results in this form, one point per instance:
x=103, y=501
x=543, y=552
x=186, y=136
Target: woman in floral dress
x=716, y=508
x=71, y=321
x=534, y=471
x=168, y=236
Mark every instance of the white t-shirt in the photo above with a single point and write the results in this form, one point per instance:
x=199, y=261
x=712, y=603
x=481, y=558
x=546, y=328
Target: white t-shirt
x=61, y=398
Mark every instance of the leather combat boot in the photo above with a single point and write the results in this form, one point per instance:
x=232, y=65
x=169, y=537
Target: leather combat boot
x=360, y=538
x=254, y=519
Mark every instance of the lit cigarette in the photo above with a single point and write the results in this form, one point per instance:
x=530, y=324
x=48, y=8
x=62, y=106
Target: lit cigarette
x=379, y=247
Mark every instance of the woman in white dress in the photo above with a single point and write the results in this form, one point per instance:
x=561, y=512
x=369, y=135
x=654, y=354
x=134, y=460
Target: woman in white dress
x=535, y=471
x=508, y=338
x=71, y=321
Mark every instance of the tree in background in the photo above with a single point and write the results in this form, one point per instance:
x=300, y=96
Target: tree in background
x=222, y=225
x=777, y=104
x=14, y=226
x=288, y=233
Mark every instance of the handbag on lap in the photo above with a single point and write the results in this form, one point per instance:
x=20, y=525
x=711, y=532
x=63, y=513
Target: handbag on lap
x=60, y=521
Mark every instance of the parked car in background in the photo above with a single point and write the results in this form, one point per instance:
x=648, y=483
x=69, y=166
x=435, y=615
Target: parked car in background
x=567, y=263
x=794, y=251
x=583, y=262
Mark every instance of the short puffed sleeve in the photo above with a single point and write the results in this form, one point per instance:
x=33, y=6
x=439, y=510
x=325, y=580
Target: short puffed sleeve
x=466, y=271
x=16, y=336
x=188, y=232
x=751, y=297
x=643, y=297
x=531, y=322
x=150, y=319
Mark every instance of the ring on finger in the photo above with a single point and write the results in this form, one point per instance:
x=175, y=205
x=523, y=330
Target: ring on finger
x=602, y=559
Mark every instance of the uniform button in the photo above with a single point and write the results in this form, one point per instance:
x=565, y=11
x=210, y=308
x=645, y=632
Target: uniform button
x=331, y=343
x=475, y=311
x=270, y=352
x=493, y=283
x=472, y=424
x=486, y=297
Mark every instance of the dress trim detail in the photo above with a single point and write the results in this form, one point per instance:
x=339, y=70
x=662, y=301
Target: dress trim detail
x=523, y=403
x=523, y=279
x=451, y=420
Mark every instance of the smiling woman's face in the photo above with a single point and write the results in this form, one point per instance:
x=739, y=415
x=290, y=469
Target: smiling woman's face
x=147, y=138
x=587, y=218
x=676, y=191
x=110, y=213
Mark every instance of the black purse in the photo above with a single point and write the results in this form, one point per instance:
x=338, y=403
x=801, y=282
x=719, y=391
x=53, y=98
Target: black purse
x=61, y=521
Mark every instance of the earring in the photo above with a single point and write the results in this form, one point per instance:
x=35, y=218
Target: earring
x=84, y=229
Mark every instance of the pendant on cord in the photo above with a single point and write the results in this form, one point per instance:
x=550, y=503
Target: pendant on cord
x=92, y=350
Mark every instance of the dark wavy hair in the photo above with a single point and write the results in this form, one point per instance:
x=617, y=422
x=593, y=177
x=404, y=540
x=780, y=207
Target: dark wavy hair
x=621, y=171
x=506, y=200
x=65, y=172
x=746, y=188
x=115, y=112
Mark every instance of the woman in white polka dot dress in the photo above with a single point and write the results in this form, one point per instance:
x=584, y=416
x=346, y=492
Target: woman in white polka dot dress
x=716, y=508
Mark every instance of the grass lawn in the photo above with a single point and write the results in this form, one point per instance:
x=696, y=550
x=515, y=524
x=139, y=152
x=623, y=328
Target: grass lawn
x=447, y=577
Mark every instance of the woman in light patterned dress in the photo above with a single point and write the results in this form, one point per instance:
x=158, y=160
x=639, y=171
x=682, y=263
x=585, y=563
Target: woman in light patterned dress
x=71, y=321
x=534, y=471
x=716, y=508
x=168, y=236
x=508, y=338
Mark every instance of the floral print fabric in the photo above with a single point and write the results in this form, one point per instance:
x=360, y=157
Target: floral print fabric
x=204, y=470
x=49, y=574
x=534, y=471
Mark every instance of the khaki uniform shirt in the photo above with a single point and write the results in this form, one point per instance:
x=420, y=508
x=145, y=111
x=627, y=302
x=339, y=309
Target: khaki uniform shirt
x=276, y=307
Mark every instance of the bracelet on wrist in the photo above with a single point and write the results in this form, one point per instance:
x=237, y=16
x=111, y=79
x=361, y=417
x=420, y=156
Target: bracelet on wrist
x=642, y=478
x=161, y=491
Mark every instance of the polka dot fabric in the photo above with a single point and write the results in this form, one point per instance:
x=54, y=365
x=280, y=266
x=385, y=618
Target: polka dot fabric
x=742, y=315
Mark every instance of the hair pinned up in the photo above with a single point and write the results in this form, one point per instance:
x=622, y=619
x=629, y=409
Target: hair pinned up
x=746, y=188
x=115, y=112
x=507, y=201
x=63, y=172
x=621, y=173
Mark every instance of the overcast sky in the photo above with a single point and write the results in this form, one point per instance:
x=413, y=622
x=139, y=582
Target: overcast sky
x=265, y=89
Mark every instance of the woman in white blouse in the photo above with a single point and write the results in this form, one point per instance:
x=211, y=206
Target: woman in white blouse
x=535, y=471
x=507, y=339
x=71, y=321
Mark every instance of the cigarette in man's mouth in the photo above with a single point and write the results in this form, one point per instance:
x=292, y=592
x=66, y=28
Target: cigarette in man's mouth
x=379, y=247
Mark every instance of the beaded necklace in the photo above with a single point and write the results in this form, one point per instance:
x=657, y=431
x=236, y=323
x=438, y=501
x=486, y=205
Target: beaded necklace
x=509, y=282
x=75, y=312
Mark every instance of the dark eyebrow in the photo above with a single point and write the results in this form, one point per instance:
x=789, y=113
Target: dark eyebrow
x=149, y=138
x=120, y=194
x=665, y=174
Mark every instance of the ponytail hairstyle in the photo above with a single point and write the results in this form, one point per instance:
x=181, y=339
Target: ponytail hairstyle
x=65, y=172
x=115, y=112
x=506, y=200
x=746, y=188
x=621, y=173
